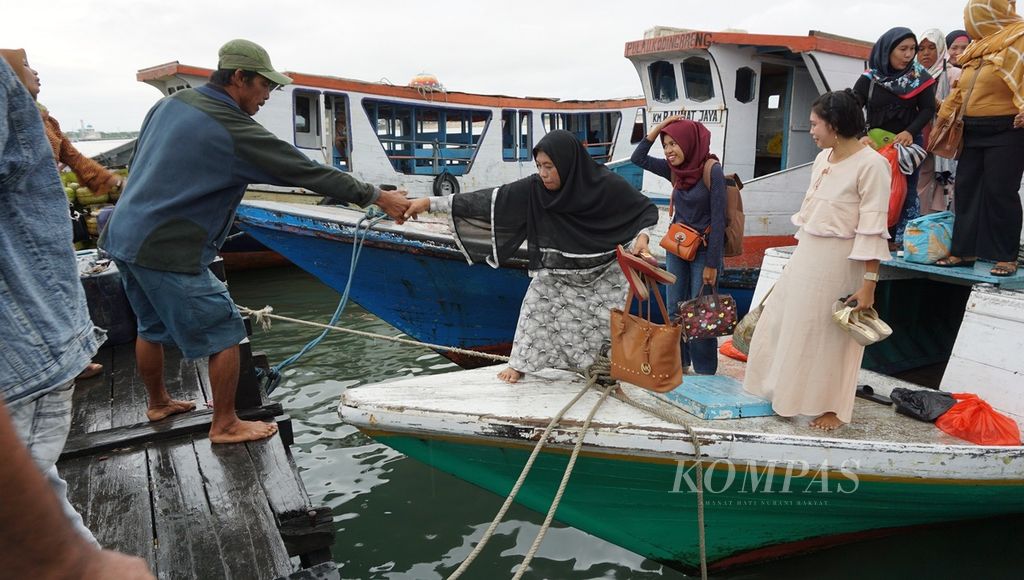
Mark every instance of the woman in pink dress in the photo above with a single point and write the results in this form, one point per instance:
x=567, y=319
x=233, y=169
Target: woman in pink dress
x=799, y=358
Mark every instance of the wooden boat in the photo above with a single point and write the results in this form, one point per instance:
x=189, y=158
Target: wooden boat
x=772, y=487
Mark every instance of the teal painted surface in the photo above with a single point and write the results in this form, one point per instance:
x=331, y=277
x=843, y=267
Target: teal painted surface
x=717, y=397
x=980, y=272
x=649, y=509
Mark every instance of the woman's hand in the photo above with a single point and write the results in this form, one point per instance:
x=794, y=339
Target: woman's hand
x=641, y=245
x=653, y=133
x=865, y=297
x=417, y=206
x=904, y=138
x=112, y=184
x=710, y=276
x=867, y=142
x=1018, y=121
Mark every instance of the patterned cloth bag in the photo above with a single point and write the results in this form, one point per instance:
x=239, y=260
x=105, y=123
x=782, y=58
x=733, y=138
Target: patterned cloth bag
x=707, y=316
x=928, y=238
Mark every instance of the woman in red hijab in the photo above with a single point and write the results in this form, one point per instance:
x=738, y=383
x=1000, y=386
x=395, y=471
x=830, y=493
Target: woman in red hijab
x=687, y=146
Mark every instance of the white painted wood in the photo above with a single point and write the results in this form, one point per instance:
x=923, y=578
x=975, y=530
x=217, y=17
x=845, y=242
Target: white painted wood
x=476, y=405
x=986, y=357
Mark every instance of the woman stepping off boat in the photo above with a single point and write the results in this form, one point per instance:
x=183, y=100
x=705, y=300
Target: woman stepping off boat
x=572, y=215
x=799, y=358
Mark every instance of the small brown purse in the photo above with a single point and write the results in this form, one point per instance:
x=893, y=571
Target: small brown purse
x=947, y=134
x=644, y=353
x=683, y=241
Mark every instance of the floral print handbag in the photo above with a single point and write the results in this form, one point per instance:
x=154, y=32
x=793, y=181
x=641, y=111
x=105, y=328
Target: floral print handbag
x=707, y=316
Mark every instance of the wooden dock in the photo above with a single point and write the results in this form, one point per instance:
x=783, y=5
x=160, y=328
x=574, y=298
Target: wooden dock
x=191, y=509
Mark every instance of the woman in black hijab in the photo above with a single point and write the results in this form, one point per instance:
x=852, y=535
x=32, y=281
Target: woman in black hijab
x=899, y=97
x=572, y=214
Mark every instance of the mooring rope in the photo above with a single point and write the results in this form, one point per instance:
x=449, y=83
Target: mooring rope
x=695, y=441
x=594, y=376
x=370, y=219
x=264, y=315
x=519, y=482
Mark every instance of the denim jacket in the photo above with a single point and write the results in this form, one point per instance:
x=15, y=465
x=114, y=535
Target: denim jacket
x=46, y=335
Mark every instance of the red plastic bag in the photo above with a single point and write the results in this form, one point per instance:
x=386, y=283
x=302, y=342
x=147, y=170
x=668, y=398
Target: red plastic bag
x=729, y=350
x=976, y=421
x=898, y=189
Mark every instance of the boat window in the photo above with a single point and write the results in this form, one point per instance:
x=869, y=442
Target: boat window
x=663, y=81
x=516, y=135
x=639, y=126
x=697, y=79
x=597, y=131
x=307, y=119
x=340, y=135
x=746, y=84
x=525, y=135
x=427, y=140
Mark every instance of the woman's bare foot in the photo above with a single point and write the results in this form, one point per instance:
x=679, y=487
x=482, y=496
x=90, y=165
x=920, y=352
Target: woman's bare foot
x=90, y=371
x=240, y=431
x=171, y=407
x=510, y=375
x=827, y=422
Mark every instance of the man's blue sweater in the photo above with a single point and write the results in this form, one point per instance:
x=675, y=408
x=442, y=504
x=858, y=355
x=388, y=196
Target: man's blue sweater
x=196, y=154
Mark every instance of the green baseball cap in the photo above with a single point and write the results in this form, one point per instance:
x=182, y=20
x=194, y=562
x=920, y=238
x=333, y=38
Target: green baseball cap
x=247, y=55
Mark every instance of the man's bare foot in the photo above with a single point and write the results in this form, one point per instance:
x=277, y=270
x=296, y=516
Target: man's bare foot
x=510, y=375
x=171, y=407
x=241, y=431
x=91, y=370
x=827, y=422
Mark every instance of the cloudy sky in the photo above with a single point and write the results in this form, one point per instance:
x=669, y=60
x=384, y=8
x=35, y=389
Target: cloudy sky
x=88, y=51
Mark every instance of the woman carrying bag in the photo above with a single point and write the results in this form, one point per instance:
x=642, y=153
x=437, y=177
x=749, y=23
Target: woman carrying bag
x=800, y=359
x=988, y=210
x=687, y=146
x=572, y=215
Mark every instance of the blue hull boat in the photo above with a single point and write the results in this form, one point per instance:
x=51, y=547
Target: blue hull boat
x=412, y=276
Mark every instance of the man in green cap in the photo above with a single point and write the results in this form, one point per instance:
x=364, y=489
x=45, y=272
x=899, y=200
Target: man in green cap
x=197, y=152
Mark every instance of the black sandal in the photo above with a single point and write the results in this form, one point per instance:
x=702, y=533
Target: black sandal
x=1004, y=269
x=955, y=262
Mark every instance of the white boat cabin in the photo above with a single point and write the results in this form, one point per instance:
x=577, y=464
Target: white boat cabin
x=753, y=91
x=426, y=139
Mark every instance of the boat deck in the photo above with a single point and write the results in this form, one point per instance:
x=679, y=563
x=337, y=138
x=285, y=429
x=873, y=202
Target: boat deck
x=191, y=509
x=538, y=397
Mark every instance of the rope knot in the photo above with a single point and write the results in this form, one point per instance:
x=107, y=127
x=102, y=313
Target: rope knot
x=261, y=316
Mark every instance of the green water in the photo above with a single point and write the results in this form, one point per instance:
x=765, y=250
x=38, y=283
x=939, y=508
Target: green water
x=397, y=518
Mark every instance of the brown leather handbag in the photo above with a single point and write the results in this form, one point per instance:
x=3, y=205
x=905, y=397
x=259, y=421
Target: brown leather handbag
x=644, y=353
x=947, y=134
x=683, y=241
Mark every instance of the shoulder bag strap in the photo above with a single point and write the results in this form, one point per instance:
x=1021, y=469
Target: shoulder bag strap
x=970, y=89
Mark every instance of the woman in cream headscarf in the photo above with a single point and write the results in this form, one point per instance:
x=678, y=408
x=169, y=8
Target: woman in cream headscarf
x=935, y=181
x=91, y=174
x=988, y=207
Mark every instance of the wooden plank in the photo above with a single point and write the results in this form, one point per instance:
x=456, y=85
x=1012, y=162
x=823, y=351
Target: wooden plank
x=129, y=398
x=186, y=542
x=245, y=526
x=182, y=378
x=90, y=407
x=171, y=427
x=304, y=528
x=76, y=473
x=119, y=502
